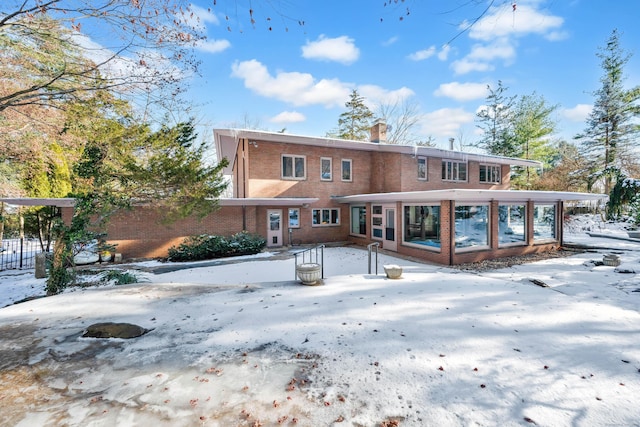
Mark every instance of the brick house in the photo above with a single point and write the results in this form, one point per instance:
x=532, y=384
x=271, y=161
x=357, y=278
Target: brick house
x=443, y=206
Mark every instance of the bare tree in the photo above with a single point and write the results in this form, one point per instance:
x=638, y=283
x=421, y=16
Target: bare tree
x=402, y=117
x=50, y=50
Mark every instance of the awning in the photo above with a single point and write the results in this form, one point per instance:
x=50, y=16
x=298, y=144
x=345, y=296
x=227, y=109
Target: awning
x=65, y=202
x=268, y=201
x=463, y=195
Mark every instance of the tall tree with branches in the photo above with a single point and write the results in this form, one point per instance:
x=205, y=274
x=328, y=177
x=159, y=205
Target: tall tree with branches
x=610, y=130
x=495, y=120
x=355, y=122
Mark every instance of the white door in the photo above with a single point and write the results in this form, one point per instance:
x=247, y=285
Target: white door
x=274, y=227
x=389, y=240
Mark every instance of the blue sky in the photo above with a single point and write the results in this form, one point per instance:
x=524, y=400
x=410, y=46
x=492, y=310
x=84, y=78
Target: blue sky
x=298, y=77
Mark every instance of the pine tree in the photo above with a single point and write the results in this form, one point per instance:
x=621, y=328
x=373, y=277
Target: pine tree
x=355, y=123
x=610, y=130
x=495, y=122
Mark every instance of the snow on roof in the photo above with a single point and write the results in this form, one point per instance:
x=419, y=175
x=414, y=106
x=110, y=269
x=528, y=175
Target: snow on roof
x=469, y=196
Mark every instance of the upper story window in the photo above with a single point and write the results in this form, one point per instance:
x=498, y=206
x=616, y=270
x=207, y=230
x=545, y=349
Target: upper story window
x=422, y=168
x=293, y=167
x=453, y=170
x=490, y=173
x=325, y=169
x=346, y=169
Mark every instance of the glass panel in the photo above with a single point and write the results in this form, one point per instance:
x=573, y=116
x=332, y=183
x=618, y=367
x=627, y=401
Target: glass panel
x=325, y=216
x=462, y=171
x=483, y=173
x=422, y=225
x=287, y=167
x=377, y=210
x=294, y=218
x=358, y=220
x=346, y=170
x=316, y=217
x=274, y=221
x=472, y=226
x=390, y=232
x=299, y=167
x=325, y=169
x=511, y=224
x=334, y=216
x=377, y=232
x=377, y=221
x=422, y=168
x=544, y=222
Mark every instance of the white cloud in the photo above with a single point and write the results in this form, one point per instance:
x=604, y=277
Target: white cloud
x=288, y=117
x=340, y=49
x=197, y=17
x=390, y=41
x=303, y=89
x=427, y=53
x=462, y=91
x=444, y=52
x=501, y=21
x=213, y=46
x=481, y=56
x=376, y=95
x=292, y=87
x=446, y=122
x=579, y=113
x=421, y=55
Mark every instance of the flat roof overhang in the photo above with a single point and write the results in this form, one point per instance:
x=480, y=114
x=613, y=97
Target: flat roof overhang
x=267, y=201
x=65, y=202
x=464, y=195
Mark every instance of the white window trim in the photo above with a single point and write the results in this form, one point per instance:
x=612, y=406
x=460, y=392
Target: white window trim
x=458, y=162
x=350, y=170
x=293, y=157
x=288, y=218
x=490, y=165
x=377, y=227
x=330, y=169
x=489, y=229
x=426, y=168
x=337, y=224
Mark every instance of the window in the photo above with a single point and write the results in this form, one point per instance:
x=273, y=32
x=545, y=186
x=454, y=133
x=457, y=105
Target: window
x=422, y=226
x=376, y=221
x=453, y=170
x=472, y=227
x=359, y=220
x=293, y=167
x=512, y=224
x=544, y=222
x=490, y=173
x=326, y=216
x=422, y=168
x=294, y=218
x=325, y=168
x=346, y=169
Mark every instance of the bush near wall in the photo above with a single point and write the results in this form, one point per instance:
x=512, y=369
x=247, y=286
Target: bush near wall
x=195, y=248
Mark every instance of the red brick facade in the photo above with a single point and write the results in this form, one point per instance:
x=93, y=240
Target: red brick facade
x=257, y=172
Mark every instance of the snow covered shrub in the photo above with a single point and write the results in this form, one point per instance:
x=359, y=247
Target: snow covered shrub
x=201, y=247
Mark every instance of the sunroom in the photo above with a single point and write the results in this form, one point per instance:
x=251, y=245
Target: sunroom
x=461, y=225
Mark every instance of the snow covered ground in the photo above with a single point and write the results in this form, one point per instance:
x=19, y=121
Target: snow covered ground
x=244, y=344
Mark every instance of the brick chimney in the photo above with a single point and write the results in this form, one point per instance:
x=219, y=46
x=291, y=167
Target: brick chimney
x=379, y=131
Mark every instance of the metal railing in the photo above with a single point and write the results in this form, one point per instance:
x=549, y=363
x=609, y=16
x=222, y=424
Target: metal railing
x=369, y=246
x=311, y=255
x=18, y=253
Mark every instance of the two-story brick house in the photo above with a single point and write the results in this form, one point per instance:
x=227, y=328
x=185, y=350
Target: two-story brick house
x=440, y=205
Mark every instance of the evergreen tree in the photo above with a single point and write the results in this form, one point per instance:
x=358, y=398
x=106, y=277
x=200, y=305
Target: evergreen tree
x=610, y=131
x=495, y=121
x=532, y=127
x=355, y=123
